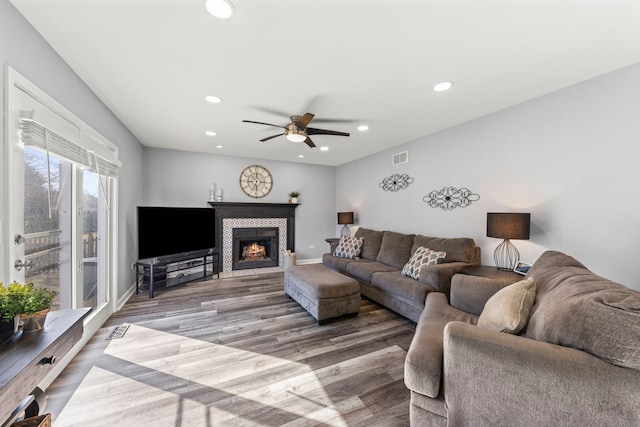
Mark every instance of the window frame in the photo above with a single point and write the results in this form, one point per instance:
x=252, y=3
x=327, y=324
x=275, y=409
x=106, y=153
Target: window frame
x=89, y=139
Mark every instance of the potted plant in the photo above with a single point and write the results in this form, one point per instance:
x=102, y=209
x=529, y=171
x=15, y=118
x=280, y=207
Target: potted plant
x=9, y=311
x=30, y=304
x=293, y=197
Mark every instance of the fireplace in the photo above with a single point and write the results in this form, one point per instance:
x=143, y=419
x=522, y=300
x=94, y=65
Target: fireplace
x=255, y=247
x=232, y=215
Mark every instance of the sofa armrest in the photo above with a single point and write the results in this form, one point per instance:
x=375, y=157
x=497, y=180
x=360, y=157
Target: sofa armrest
x=470, y=293
x=496, y=379
x=439, y=276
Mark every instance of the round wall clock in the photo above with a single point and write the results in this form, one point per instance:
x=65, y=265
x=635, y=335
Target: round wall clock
x=256, y=181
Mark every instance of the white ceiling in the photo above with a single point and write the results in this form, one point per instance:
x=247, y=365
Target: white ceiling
x=153, y=61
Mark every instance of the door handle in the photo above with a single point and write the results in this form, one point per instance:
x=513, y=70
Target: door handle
x=19, y=264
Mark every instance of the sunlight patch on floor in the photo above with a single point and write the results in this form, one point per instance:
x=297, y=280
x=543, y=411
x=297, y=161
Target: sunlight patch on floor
x=218, y=369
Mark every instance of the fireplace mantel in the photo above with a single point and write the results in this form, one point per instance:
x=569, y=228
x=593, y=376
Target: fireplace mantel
x=255, y=210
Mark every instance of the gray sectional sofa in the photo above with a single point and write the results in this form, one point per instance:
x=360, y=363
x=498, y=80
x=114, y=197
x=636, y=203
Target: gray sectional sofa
x=384, y=254
x=575, y=363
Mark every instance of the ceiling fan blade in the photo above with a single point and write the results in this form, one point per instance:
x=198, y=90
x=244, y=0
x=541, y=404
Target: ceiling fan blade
x=271, y=137
x=324, y=120
x=314, y=131
x=309, y=142
x=273, y=111
x=306, y=119
x=263, y=123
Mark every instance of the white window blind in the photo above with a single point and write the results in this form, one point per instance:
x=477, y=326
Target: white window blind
x=34, y=134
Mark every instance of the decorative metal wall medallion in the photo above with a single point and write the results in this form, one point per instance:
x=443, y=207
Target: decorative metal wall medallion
x=396, y=182
x=450, y=198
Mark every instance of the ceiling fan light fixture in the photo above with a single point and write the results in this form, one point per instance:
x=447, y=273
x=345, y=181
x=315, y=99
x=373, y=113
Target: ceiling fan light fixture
x=221, y=9
x=296, y=135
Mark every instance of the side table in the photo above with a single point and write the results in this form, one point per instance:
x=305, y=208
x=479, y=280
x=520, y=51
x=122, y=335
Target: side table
x=490, y=272
x=332, y=241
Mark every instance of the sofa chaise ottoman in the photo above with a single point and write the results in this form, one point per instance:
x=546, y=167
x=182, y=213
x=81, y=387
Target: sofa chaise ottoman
x=324, y=293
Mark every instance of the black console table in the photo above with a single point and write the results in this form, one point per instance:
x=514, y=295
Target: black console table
x=170, y=270
x=28, y=357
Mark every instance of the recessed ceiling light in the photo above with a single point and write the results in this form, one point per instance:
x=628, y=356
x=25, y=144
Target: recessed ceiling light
x=218, y=146
x=442, y=86
x=213, y=99
x=210, y=133
x=301, y=155
x=221, y=9
x=324, y=148
x=363, y=128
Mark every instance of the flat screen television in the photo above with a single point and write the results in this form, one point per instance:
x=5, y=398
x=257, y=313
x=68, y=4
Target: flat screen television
x=173, y=230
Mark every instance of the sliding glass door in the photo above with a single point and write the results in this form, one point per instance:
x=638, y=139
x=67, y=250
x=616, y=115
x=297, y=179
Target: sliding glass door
x=47, y=224
x=61, y=191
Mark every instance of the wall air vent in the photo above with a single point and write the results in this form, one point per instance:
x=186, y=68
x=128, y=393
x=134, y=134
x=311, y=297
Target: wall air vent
x=400, y=158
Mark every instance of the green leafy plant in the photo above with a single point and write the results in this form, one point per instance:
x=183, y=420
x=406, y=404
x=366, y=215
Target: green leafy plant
x=18, y=299
x=294, y=194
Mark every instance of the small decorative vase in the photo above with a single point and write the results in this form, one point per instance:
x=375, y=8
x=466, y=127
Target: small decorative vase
x=294, y=200
x=8, y=328
x=34, y=321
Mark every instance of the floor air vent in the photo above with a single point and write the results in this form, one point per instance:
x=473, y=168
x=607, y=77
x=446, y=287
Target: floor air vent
x=400, y=158
x=118, y=331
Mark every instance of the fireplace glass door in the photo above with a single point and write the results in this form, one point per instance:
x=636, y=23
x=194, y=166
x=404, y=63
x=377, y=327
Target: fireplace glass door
x=255, y=247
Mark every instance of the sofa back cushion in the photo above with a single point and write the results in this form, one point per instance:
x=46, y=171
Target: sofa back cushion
x=395, y=249
x=576, y=308
x=372, y=242
x=457, y=249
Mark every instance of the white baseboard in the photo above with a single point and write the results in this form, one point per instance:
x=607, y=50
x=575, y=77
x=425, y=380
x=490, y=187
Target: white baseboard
x=124, y=298
x=309, y=261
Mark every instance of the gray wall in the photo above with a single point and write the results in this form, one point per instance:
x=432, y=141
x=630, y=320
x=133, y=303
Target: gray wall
x=179, y=178
x=22, y=48
x=567, y=157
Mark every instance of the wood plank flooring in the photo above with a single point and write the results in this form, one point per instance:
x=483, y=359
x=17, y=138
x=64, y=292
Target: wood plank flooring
x=237, y=352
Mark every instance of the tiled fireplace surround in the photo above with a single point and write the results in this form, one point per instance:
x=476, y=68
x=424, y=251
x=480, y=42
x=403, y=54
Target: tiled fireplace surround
x=230, y=215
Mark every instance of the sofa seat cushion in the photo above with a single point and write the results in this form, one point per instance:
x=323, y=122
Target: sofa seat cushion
x=395, y=249
x=458, y=249
x=338, y=263
x=364, y=269
x=372, y=242
x=576, y=308
x=423, y=364
x=395, y=283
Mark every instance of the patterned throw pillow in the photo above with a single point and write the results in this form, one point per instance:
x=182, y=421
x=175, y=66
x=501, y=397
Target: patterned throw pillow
x=422, y=256
x=349, y=247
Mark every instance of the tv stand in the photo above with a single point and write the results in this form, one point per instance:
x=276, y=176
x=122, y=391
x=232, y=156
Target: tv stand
x=170, y=270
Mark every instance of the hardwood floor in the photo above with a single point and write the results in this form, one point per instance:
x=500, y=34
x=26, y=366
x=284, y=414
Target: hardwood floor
x=237, y=352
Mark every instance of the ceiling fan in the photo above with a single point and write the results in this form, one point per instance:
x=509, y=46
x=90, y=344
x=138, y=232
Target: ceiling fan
x=298, y=130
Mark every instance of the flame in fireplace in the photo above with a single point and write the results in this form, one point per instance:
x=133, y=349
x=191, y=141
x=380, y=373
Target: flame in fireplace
x=254, y=251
